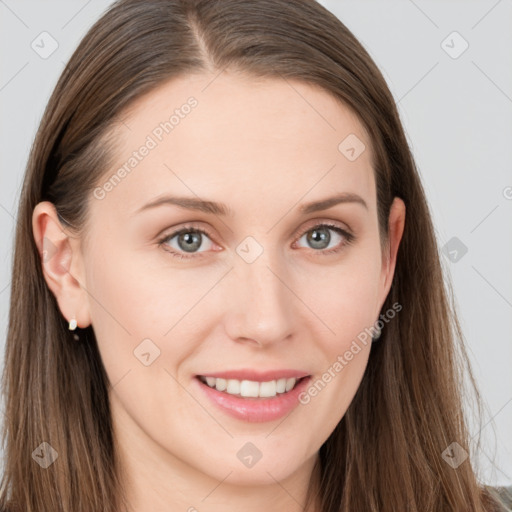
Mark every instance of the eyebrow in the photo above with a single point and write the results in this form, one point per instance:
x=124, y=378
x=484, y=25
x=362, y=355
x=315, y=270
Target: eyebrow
x=191, y=203
x=325, y=204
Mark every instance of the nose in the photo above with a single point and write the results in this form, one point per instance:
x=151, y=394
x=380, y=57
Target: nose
x=260, y=304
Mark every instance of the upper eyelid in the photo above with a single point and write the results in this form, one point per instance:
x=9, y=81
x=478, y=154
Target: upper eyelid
x=315, y=222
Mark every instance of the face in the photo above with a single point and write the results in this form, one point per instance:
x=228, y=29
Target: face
x=251, y=286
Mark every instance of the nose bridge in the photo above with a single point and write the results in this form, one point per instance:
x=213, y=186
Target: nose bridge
x=261, y=302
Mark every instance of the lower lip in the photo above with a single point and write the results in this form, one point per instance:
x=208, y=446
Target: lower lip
x=255, y=409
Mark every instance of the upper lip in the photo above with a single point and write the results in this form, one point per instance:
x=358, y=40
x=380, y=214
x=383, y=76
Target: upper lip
x=257, y=376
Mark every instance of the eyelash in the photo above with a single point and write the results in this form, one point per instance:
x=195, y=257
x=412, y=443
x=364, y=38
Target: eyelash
x=349, y=239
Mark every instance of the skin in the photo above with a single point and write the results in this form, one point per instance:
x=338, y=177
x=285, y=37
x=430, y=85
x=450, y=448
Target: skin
x=248, y=143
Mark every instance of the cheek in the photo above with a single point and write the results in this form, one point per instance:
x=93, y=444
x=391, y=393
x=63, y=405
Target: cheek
x=132, y=302
x=343, y=298
x=347, y=309
x=345, y=305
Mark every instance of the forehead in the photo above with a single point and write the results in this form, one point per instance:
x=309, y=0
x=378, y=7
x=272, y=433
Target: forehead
x=238, y=139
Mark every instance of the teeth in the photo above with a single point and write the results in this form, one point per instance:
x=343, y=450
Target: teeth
x=250, y=388
x=219, y=384
x=289, y=384
x=233, y=387
x=281, y=385
x=268, y=388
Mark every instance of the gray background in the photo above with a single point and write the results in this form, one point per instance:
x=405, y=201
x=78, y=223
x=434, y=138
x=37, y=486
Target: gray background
x=457, y=111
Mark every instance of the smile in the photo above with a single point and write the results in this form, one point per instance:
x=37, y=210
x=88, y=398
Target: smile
x=251, y=388
x=251, y=400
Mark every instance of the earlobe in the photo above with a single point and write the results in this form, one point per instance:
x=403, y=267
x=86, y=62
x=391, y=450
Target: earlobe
x=59, y=253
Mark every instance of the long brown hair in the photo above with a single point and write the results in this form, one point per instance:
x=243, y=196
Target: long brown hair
x=386, y=452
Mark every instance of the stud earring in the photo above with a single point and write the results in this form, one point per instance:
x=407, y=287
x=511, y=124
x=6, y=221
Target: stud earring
x=377, y=336
x=72, y=327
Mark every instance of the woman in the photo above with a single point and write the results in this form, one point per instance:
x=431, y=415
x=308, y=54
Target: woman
x=226, y=287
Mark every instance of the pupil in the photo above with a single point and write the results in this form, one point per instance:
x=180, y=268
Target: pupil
x=318, y=236
x=192, y=241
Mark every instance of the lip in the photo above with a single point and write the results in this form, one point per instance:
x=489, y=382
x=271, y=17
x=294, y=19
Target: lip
x=252, y=409
x=250, y=374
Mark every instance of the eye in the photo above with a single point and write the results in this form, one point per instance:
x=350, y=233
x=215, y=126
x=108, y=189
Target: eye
x=319, y=238
x=188, y=240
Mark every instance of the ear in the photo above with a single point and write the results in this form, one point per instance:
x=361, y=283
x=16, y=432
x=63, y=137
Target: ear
x=396, y=223
x=62, y=263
